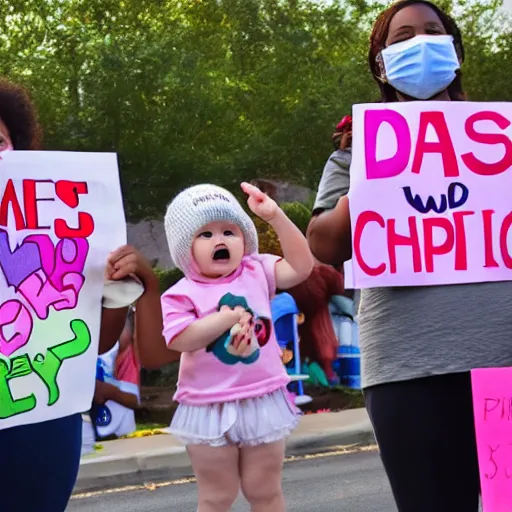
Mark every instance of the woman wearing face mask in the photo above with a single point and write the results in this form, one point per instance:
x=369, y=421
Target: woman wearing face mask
x=40, y=461
x=420, y=343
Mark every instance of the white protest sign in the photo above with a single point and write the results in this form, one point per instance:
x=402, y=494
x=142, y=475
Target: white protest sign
x=430, y=186
x=61, y=213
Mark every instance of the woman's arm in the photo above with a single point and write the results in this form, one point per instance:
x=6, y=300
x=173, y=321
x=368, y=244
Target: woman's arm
x=112, y=325
x=152, y=349
x=151, y=346
x=329, y=234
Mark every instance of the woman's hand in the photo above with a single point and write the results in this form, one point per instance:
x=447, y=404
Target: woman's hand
x=259, y=203
x=128, y=261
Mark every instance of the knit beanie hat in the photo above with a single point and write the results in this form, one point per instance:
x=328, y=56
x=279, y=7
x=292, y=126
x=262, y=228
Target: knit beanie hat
x=194, y=208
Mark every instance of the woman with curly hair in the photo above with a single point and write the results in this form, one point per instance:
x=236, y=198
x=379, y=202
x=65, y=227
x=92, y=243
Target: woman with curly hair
x=419, y=344
x=40, y=461
x=19, y=126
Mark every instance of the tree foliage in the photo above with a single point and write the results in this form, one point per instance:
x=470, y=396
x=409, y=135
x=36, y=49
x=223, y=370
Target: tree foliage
x=298, y=213
x=212, y=90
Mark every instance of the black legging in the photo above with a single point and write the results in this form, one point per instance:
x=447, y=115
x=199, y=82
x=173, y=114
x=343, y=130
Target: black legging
x=426, y=435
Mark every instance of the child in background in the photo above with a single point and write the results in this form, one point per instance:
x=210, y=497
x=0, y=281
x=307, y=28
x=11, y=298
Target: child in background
x=117, y=391
x=234, y=413
x=317, y=335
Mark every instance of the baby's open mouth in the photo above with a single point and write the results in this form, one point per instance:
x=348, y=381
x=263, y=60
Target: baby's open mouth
x=221, y=254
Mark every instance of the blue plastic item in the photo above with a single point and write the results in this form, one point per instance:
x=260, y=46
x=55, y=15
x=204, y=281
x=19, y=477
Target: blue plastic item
x=348, y=363
x=284, y=315
x=349, y=366
x=103, y=416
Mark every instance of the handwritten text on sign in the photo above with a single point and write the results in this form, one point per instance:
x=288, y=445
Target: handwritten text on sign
x=492, y=398
x=430, y=193
x=54, y=238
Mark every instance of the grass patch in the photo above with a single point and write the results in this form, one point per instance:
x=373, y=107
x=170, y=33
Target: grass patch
x=150, y=426
x=337, y=398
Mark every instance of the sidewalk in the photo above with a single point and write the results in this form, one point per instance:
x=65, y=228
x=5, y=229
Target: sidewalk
x=161, y=457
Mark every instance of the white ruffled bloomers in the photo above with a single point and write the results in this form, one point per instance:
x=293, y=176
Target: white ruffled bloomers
x=250, y=422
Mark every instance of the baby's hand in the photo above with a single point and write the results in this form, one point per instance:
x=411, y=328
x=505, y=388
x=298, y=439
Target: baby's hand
x=243, y=334
x=242, y=329
x=235, y=314
x=259, y=203
x=241, y=341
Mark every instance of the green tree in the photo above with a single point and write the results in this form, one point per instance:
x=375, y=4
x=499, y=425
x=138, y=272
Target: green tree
x=212, y=90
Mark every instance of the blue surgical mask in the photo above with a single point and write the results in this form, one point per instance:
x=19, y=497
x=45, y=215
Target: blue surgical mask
x=421, y=67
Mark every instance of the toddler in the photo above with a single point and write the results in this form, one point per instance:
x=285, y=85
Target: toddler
x=234, y=412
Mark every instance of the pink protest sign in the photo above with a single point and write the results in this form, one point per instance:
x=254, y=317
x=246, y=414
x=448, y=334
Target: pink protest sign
x=492, y=399
x=430, y=193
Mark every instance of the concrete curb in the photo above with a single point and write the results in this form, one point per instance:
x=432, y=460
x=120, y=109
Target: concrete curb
x=172, y=463
x=355, y=435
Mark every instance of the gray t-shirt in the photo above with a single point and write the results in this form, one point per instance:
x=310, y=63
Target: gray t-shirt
x=411, y=332
x=334, y=181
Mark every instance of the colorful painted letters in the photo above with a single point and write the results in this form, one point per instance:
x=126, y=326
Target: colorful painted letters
x=429, y=194
x=61, y=214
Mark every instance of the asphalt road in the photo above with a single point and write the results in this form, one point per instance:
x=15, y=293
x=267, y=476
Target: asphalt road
x=354, y=482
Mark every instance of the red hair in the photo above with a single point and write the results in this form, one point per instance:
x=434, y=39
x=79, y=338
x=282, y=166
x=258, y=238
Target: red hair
x=317, y=336
x=342, y=136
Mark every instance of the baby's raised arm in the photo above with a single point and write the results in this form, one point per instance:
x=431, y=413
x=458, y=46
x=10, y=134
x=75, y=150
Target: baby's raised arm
x=298, y=261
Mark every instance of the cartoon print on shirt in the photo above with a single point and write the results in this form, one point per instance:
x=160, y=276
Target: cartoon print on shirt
x=222, y=346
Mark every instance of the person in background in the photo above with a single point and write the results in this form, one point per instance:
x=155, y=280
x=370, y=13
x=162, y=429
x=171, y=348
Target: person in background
x=117, y=392
x=127, y=366
x=317, y=336
x=44, y=457
x=419, y=344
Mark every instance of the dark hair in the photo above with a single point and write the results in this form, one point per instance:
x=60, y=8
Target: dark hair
x=19, y=115
x=378, y=43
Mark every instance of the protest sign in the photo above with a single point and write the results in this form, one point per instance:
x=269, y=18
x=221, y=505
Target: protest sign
x=430, y=186
x=60, y=215
x=492, y=399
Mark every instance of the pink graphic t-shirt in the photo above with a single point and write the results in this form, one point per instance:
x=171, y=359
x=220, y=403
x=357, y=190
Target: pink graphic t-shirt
x=213, y=374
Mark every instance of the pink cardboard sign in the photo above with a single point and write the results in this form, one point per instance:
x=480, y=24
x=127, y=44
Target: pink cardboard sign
x=429, y=193
x=492, y=399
